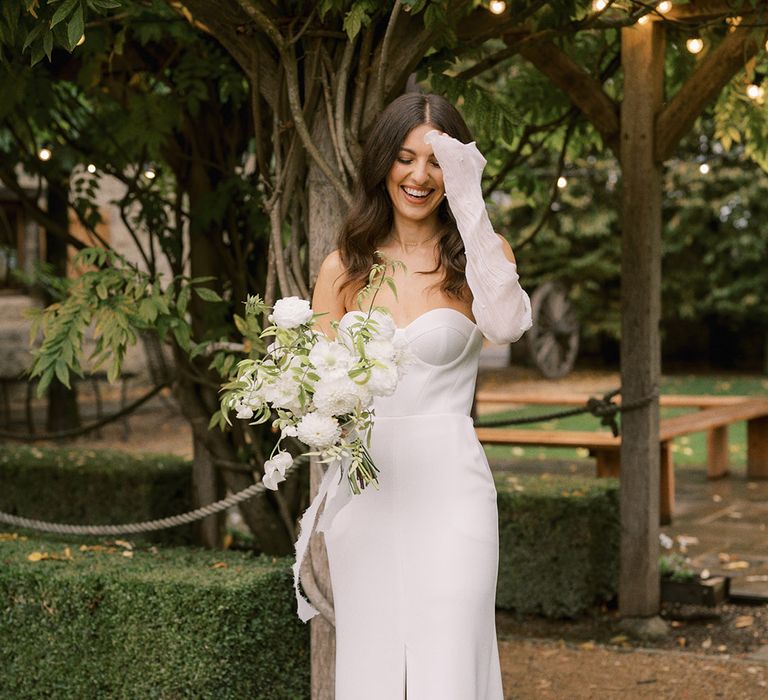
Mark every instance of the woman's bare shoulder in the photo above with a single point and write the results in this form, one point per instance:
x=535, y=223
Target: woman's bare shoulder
x=333, y=264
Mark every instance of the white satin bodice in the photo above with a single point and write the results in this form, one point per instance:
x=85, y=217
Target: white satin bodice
x=446, y=347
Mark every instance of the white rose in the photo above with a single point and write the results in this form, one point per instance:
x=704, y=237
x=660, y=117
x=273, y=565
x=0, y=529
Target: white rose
x=290, y=312
x=330, y=358
x=318, y=431
x=383, y=380
x=336, y=396
x=382, y=350
x=384, y=328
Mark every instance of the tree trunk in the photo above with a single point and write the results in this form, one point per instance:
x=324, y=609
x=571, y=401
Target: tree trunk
x=206, y=489
x=326, y=215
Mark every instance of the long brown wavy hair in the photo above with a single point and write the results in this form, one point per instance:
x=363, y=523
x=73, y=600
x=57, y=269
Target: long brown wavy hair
x=370, y=219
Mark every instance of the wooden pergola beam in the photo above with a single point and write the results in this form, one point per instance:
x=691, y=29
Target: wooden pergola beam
x=710, y=9
x=712, y=74
x=583, y=89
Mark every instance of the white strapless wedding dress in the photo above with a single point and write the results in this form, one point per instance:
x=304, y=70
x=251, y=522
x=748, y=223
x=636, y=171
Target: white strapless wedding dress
x=414, y=564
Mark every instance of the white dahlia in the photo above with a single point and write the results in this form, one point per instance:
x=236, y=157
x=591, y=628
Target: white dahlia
x=335, y=396
x=318, y=431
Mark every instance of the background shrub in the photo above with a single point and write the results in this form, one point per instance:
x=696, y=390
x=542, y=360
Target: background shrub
x=96, y=487
x=558, y=543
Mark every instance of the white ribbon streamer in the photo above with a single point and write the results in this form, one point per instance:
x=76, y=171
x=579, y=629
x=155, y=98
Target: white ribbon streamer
x=340, y=498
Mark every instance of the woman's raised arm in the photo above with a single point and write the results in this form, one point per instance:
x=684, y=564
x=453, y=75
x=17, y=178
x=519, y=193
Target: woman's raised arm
x=501, y=307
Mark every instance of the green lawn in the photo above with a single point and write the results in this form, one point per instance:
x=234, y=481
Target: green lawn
x=689, y=451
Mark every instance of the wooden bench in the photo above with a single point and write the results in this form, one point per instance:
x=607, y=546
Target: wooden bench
x=717, y=440
x=606, y=448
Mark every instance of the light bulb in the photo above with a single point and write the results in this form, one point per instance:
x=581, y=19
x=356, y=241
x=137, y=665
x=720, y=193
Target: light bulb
x=755, y=91
x=643, y=20
x=599, y=5
x=497, y=6
x=664, y=6
x=150, y=174
x=694, y=44
x=704, y=168
x=44, y=153
x=562, y=182
x=91, y=168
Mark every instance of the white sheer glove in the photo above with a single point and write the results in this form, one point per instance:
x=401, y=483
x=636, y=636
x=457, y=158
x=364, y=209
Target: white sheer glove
x=501, y=307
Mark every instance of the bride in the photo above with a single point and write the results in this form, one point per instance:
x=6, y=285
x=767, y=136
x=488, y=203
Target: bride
x=413, y=564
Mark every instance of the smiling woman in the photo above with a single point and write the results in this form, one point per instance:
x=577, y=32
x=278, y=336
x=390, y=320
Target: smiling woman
x=414, y=563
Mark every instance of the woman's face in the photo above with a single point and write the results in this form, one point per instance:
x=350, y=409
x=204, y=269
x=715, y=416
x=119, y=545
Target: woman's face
x=415, y=181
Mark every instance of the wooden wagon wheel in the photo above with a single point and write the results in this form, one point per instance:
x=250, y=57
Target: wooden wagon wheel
x=553, y=341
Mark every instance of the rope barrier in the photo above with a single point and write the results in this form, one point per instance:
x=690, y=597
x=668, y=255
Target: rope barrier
x=603, y=408
x=77, y=432
x=145, y=526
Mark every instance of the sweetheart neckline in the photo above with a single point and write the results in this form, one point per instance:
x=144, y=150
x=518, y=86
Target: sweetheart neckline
x=422, y=315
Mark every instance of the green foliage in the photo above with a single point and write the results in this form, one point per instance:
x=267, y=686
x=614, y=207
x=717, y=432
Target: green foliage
x=96, y=487
x=120, y=300
x=168, y=623
x=558, y=544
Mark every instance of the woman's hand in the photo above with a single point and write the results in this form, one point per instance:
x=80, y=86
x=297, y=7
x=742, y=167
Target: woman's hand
x=462, y=164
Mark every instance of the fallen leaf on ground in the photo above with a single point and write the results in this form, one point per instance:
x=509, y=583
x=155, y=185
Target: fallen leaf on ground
x=11, y=537
x=681, y=641
x=619, y=638
x=588, y=646
x=707, y=643
x=37, y=556
x=744, y=621
x=128, y=553
x=219, y=565
x=733, y=565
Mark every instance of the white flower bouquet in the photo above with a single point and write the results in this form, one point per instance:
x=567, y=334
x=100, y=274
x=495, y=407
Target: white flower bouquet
x=317, y=389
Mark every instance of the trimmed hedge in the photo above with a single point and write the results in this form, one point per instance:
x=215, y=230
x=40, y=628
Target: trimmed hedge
x=558, y=543
x=173, y=623
x=96, y=487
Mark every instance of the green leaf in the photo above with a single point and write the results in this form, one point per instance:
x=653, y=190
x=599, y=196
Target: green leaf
x=65, y=9
x=62, y=372
x=208, y=294
x=33, y=35
x=75, y=28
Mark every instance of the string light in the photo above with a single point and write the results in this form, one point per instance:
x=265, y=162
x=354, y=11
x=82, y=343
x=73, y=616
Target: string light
x=664, y=6
x=91, y=168
x=44, y=153
x=704, y=168
x=694, y=44
x=643, y=20
x=562, y=182
x=755, y=89
x=599, y=5
x=150, y=174
x=497, y=6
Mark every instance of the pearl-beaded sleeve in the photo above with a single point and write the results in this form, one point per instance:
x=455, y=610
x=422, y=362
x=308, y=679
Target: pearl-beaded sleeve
x=501, y=307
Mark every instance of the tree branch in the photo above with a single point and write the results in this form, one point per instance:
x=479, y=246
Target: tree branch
x=294, y=100
x=713, y=72
x=583, y=89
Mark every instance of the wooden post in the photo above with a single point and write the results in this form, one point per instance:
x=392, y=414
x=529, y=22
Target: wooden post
x=757, y=448
x=718, y=458
x=643, y=60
